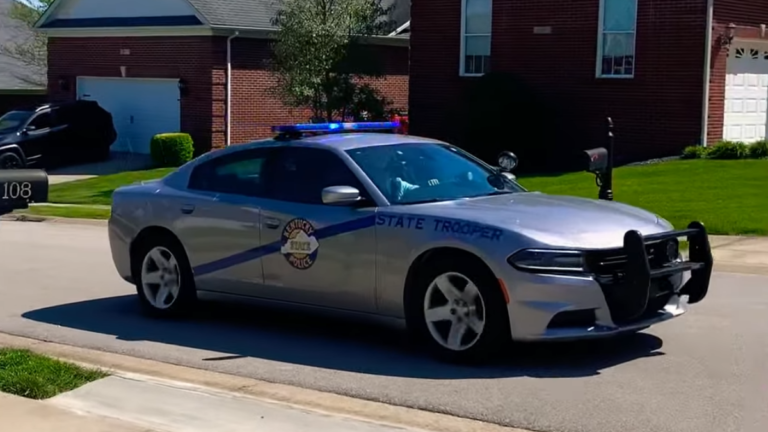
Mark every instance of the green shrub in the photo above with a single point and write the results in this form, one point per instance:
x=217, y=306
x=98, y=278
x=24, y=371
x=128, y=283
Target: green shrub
x=171, y=149
x=759, y=150
x=728, y=150
x=695, y=152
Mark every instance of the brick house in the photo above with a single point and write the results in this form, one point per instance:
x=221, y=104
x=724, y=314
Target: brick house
x=671, y=73
x=161, y=66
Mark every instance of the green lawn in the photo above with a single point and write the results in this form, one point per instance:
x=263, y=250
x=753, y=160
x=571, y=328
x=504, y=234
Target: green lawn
x=24, y=373
x=98, y=190
x=730, y=197
x=68, y=212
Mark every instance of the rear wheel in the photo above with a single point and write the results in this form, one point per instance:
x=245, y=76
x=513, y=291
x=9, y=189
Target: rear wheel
x=10, y=161
x=164, y=281
x=457, y=309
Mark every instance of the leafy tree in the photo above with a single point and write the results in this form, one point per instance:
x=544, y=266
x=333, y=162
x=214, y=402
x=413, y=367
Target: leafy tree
x=319, y=58
x=31, y=47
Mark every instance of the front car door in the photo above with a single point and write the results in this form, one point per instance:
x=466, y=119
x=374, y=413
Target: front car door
x=220, y=222
x=321, y=255
x=37, y=139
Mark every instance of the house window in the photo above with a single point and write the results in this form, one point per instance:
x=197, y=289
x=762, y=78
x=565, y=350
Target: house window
x=616, y=43
x=475, y=37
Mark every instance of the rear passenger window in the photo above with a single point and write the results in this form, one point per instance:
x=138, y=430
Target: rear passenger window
x=238, y=174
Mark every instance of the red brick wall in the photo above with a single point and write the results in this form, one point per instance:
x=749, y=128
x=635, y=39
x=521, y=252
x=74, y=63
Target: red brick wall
x=656, y=113
x=747, y=15
x=9, y=102
x=255, y=109
x=201, y=62
x=188, y=58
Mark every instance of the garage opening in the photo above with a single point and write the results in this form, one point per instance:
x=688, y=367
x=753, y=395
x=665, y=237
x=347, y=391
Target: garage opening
x=746, y=93
x=140, y=108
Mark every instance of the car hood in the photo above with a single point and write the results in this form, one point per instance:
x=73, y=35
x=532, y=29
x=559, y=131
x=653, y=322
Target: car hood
x=552, y=220
x=9, y=138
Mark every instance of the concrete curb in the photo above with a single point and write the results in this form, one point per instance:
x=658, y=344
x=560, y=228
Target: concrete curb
x=326, y=403
x=21, y=217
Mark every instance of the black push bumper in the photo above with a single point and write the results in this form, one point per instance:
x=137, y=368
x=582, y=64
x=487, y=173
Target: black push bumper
x=642, y=276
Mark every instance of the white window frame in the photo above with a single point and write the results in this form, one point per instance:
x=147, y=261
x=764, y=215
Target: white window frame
x=462, y=49
x=601, y=32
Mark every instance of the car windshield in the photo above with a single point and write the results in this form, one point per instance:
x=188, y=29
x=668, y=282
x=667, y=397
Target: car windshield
x=12, y=121
x=413, y=173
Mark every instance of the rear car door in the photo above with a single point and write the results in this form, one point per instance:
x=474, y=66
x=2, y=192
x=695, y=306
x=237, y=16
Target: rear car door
x=220, y=222
x=337, y=266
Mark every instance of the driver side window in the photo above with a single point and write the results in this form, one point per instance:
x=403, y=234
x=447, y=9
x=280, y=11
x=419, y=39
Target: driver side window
x=41, y=121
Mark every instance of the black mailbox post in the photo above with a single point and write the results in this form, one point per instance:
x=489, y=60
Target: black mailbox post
x=599, y=162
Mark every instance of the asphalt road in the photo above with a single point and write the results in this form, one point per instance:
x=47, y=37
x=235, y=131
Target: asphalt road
x=703, y=372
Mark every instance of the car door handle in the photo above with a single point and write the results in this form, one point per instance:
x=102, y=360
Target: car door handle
x=188, y=209
x=272, y=223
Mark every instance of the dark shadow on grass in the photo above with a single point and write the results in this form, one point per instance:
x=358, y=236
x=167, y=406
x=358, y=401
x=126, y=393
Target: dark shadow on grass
x=289, y=337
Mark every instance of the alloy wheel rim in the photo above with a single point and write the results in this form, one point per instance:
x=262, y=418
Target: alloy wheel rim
x=454, y=311
x=160, y=278
x=10, y=164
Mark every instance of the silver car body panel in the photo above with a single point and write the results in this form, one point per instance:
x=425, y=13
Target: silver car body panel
x=363, y=256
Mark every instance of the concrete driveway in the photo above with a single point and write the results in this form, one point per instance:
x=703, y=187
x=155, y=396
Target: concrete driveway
x=704, y=372
x=117, y=163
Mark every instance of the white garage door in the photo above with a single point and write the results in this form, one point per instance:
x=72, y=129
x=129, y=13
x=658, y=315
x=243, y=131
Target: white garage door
x=140, y=108
x=746, y=93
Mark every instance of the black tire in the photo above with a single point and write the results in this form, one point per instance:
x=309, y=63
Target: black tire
x=186, y=301
x=10, y=160
x=496, y=334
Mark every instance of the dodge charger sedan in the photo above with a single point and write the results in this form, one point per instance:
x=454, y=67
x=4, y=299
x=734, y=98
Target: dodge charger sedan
x=350, y=219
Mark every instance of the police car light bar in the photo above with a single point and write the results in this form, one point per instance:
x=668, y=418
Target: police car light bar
x=335, y=127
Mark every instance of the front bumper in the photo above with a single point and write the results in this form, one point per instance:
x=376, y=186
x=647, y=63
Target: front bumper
x=627, y=289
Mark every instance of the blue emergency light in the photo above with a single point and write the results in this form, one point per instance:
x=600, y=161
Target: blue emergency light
x=335, y=127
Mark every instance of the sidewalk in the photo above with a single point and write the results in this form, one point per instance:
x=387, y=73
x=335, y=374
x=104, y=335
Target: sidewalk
x=26, y=415
x=136, y=403
x=740, y=254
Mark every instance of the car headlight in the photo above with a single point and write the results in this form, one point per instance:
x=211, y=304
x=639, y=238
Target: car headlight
x=548, y=261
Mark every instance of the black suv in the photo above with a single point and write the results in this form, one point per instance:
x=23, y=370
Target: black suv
x=54, y=135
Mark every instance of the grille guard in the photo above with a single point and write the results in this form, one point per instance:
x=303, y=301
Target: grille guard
x=639, y=273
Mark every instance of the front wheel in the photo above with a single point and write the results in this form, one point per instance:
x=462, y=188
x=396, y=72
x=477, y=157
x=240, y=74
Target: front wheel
x=164, y=281
x=458, y=310
x=10, y=161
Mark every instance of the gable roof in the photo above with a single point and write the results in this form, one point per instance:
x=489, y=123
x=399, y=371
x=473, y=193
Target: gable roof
x=14, y=74
x=259, y=13
x=222, y=14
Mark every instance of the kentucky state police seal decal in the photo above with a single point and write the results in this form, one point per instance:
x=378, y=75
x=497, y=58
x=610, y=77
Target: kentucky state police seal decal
x=299, y=246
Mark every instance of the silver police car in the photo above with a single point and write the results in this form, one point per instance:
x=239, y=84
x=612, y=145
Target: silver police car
x=347, y=218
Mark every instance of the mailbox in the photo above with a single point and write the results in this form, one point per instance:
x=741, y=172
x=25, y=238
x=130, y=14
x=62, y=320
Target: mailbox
x=19, y=188
x=596, y=160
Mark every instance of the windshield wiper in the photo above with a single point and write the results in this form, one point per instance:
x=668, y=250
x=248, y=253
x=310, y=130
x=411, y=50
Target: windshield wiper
x=499, y=192
x=424, y=201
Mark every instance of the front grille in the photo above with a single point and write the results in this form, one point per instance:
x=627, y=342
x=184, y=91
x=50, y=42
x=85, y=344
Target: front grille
x=609, y=264
x=609, y=268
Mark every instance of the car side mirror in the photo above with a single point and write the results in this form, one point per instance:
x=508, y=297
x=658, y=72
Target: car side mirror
x=341, y=195
x=509, y=175
x=27, y=129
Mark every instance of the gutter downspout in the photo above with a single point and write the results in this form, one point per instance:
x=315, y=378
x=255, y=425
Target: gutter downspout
x=228, y=114
x=707, y=72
